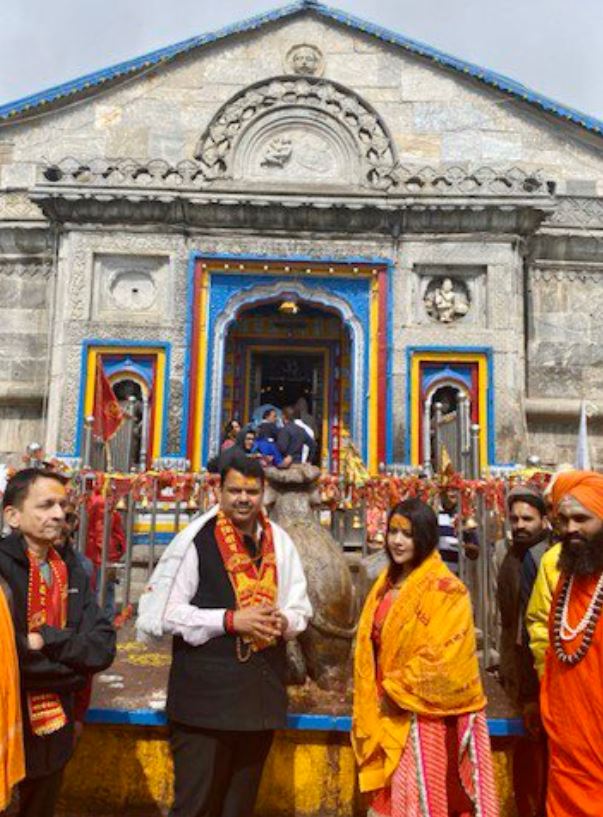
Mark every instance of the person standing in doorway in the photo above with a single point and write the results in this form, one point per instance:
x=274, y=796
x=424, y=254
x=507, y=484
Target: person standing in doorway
x=292, y=438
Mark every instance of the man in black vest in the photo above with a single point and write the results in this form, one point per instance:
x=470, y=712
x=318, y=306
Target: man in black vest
x=238, y=593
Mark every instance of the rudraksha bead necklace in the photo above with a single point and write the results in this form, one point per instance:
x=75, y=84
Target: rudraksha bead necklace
x=562, y=631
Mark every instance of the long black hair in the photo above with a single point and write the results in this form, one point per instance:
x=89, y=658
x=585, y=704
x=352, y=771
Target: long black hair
x=424, y=526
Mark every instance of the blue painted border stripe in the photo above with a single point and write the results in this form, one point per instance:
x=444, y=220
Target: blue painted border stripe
x=497, y=727
x=139, y=65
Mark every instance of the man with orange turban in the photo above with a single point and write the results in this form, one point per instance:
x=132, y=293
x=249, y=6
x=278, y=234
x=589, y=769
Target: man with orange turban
x=572, y=693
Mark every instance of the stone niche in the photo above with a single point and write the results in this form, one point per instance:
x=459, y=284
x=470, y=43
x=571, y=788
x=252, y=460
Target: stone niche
x=130, y=289
x=450, y=294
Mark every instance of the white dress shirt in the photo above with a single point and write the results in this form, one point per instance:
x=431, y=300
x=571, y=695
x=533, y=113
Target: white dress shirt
x=198, y=625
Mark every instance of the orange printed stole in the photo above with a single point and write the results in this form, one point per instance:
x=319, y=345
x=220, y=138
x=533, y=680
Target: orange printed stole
x=253, y=585
x=46, y=605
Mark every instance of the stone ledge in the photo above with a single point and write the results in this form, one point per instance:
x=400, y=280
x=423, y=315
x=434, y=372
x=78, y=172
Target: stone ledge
x=554, y=407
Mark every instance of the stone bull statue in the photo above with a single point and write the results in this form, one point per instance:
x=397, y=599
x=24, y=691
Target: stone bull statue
x=324, y=650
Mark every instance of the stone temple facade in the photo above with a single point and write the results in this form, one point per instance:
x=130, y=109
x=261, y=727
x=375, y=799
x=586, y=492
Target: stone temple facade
x=304, y=205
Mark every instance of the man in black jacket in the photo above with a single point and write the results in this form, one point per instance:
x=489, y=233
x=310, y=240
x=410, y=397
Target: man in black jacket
x=61, y=634
x=292, y=438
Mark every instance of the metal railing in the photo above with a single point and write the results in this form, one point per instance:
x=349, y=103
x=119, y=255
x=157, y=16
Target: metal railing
x=153, y=506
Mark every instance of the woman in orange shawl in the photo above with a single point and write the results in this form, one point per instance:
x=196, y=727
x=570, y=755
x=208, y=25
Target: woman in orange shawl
x=419, y=730
x=12, y=759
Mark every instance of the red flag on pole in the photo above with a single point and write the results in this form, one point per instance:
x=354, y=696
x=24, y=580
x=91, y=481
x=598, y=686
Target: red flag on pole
x=108, y=415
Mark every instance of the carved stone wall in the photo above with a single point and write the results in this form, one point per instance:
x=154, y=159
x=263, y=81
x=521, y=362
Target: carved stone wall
x=133, y=261
x=565, y=332
x=349, y=111
x=495, y=269
x=25, y=298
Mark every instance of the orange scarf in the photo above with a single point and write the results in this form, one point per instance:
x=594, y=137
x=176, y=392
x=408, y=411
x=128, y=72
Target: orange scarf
x=46, y=605
x=427, y=665
x=12, y=758
x=253, y=586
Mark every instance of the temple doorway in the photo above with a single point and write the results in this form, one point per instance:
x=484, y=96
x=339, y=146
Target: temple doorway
x=282, y=358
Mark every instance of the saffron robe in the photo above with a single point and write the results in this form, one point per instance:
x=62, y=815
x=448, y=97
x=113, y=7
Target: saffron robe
x=12, y=758
x=572, y=712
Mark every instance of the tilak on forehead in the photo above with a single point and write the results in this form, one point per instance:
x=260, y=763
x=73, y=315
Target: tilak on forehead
x=399, y=522
x=584, y=486
x=243, y=481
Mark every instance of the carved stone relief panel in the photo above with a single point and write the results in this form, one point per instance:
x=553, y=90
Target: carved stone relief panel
x=297, y=146
x=129, y=288
x=450, y=294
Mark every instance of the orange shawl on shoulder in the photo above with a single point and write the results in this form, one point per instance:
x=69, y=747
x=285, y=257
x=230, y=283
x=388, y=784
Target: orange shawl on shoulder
x=12, y=760
x=428, y=663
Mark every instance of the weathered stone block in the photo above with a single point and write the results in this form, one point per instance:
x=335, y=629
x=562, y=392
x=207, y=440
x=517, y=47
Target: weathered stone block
x=130, y=142
x=34, y=293
x=10, y=291
x=5, y=369
x=444, y=116
x=413, y=147
x=30, y=371
x=19, y=174
x=17, y=346
x=22, y=321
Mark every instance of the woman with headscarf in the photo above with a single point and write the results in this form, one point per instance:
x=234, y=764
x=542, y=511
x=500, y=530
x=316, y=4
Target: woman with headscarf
x=419, y=729
x=231, y=430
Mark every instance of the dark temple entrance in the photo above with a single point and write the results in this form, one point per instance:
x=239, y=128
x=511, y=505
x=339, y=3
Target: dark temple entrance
x=284, y=378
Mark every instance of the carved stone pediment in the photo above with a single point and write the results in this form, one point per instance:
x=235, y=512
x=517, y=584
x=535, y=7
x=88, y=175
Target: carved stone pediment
x=292, y=129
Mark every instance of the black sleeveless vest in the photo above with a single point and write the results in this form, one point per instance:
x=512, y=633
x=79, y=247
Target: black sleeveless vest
x=208, y=686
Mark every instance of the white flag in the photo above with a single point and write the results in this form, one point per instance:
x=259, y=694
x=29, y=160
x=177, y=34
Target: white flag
x=582, y=455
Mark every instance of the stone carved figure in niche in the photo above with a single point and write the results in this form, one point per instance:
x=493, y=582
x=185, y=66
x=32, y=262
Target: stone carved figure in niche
x=305, y=60
x=278, y=152
x=446, y=300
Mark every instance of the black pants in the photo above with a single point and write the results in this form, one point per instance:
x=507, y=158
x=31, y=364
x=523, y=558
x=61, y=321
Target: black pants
x=217, y=773
x=38, y=796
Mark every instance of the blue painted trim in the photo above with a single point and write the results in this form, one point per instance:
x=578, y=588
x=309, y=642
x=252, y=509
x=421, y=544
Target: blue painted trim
x=164, y=56
x=79, y=428
x=161, y=538
x=188, y=350
x=488, y=351
x=87, y=344
x=407, y=423
x=491, y=412
x=505, y=727
x=497, y=727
